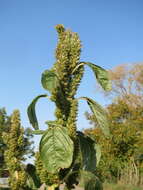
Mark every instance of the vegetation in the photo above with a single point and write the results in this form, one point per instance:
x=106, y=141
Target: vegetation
x=14, y=154
x=70, y=157
x=65, y=154
x=122, y=155
x=5, y=127
x=110, y=186
x=127, y=83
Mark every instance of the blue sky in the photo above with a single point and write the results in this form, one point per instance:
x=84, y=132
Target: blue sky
x=111, y=33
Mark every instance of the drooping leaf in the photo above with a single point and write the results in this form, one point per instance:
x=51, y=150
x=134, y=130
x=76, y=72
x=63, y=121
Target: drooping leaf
x=30, y=184
x=49, y=80
x=100, y=114
x=31, y=112
x=33, y=181
x=98, y=153
x=88, y=152
x=101, y=75
x=56, y=149
x=91, y=182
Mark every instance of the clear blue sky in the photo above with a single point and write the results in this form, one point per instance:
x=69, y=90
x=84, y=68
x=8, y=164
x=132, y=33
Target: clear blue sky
x=111, y=32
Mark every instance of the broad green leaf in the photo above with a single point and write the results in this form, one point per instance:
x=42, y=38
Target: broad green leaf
x=101, y=76
x=98, y=153
x=100, y=114
x=91, y=182
x=31, y=112
x=88, y=152
x=56, y=149
x=49, y=80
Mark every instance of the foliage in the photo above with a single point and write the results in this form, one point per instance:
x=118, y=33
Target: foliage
x=14, y=154
x=88, y=152
x=33, y=180
x=54, y=150
x=91, y=181
x=61, y=157
x=112, y=186
x=127, y=83
x=100, y=114
x=4, y=127
x=121, y=154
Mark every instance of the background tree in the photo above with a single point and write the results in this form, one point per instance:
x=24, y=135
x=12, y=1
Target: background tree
x=14, y=153
x=122, y=154
x=127, y=83
x=4, y=127
x=17, y=146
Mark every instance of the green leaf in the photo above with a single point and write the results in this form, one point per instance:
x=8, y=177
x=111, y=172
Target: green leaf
x=31, y=112
x=98, y=153
x=91, y=182
x=49, y=80
x=56, y=149
x=101, y=75
x=33, y=180
x=100, y=114
x=88, y=152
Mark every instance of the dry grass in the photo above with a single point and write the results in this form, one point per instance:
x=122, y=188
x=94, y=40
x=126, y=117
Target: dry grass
x=120, y=187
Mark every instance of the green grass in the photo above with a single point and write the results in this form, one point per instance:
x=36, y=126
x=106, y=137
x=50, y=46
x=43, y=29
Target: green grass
x=108, y=186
